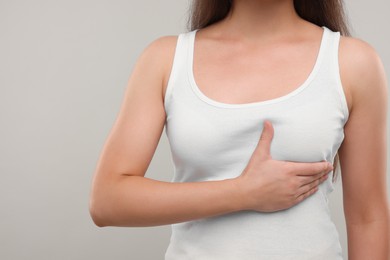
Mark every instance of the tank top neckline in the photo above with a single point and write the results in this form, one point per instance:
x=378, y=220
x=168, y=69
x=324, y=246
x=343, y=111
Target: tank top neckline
x=299, y=89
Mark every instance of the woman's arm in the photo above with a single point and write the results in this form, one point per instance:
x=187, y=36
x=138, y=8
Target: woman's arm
x=363, y=154
x=121, y=195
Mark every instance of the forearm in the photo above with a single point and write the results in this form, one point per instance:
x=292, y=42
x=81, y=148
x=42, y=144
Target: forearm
x=369, y=240
x=139, y=201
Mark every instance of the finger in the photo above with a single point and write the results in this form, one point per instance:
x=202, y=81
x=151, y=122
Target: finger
x=305, y=179
x=302, y=169
x=306, y=194
x=264, y=145
x=312, y=185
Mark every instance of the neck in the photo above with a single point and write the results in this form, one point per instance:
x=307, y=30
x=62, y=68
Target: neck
x=261, y=19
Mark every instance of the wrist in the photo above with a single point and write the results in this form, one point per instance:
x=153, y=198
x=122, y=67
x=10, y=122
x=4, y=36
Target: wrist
x=238, y=197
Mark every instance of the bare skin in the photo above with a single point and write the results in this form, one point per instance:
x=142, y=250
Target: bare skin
x=267, y=35
x=363, y=153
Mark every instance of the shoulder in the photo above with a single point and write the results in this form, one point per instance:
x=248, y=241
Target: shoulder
x=159, y=49
x=157, y=58
x=361, y=69
x=162, y=44
x=360, y=56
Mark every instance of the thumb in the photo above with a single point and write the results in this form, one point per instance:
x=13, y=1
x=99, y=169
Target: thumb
x=264, y=145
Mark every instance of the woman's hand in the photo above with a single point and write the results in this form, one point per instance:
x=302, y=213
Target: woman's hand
x=269, y=185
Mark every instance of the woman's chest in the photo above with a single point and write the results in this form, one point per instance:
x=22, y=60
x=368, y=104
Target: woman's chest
x=221, y=139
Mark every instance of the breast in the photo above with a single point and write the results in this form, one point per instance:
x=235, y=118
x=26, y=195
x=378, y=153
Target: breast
x=212, y=144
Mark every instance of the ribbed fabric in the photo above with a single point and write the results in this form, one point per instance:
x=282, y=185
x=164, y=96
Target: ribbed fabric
x=211, y=140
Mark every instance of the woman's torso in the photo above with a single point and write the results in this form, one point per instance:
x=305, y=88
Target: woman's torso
x=212, y=137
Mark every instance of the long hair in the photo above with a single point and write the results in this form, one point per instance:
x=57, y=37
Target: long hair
x=329, y=13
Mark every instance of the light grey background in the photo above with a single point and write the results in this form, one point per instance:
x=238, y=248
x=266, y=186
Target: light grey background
x=64, y=66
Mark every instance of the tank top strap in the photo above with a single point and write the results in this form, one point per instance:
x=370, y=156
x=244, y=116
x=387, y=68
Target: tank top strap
x=330, y=69
x=179, y=64
x=330, y=55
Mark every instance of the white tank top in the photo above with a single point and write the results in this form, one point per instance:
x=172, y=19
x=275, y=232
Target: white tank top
x=211, y=140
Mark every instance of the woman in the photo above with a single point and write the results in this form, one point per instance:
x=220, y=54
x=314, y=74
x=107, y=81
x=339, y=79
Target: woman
x=257, y=99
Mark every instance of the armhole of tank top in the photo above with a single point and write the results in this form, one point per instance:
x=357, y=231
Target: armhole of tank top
x=339, y=87
x=172, y=74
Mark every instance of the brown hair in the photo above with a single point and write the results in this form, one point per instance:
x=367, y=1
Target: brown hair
x=329, y=13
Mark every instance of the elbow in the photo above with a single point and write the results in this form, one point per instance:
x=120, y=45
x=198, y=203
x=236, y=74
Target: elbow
x=96, y=216
x=106, y=209
x=98, y=201
x=97, y=220
x=96, y=213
